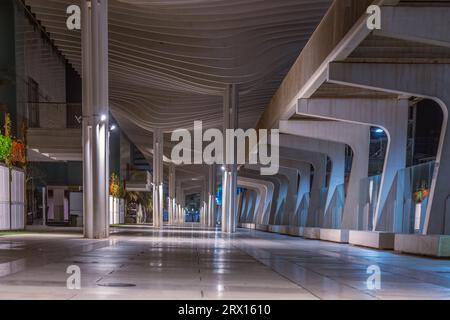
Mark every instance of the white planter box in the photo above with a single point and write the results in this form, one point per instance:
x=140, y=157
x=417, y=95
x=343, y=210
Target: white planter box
x=12, y=210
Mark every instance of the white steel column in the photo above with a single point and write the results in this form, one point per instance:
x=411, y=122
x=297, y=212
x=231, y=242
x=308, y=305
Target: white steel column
x=229, y=178
x=158, y=178
x=95, y=118
x=171, y=204
x=212, y=182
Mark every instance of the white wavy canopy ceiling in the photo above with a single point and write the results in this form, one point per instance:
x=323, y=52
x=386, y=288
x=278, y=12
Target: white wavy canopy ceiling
x=170, y=59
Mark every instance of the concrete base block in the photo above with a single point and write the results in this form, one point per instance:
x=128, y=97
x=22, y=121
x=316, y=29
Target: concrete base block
x=372, y=239
x=279, y=229
x=296, y=231
x=427, y=245
x=247, y=225
x=262, y=227
x=311, y=233
x=334, y=235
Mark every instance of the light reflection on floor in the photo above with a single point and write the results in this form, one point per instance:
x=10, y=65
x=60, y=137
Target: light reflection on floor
x=194, y=263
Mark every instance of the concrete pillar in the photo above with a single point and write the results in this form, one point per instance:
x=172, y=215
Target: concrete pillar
x=389, y=114
x=171, y=198
x=264, y=191
x=354, y=135
x=303, y=186
x=421, y=80
x=229, y=176
x=158, y=178
x=94, y=39
x=277, y=196
x=334, y=150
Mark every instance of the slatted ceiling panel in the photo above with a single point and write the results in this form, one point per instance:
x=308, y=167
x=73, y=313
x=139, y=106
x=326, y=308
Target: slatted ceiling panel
x=169, y=60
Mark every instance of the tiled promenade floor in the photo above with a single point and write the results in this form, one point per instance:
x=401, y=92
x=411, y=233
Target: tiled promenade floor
x=193, y=263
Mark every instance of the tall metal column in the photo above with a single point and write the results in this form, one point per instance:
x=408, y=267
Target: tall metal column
x=171, y=204
x=94, y=40
x=158, y=178
x=229, y=178
x=212, y=182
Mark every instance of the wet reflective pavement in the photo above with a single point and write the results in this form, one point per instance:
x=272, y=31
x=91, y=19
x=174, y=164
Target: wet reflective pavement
x=195, y=263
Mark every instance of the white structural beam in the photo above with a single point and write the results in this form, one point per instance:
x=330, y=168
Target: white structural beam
x=94, y=39
x=422, y=80
x=158, y=180
x=389, y=114
x=285, y=202
x=253, y=172
x=304, y=185
x=303, y=139
x=229, y=177
x=355, y=136
x=402, y=23
x=264, y=190
x=315, y=153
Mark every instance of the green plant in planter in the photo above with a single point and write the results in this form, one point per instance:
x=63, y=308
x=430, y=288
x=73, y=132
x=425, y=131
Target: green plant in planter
x=5, y=147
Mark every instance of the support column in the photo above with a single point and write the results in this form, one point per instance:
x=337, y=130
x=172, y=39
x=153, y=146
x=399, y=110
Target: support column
x=158, y=178
x=171, y=204
x=389, y=114
x=179, y=195
x=354, y=135
x=422, y=80
x=95, y=119
x=212, y=185
x=264, y=191
x=229, y=178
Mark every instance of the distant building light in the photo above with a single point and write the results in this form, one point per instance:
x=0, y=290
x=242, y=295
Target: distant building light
x=223, y=168
x=379, y=130
x=103, y=117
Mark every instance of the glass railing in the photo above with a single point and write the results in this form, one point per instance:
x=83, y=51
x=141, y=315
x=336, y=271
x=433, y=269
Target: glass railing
x=412, y=189
x=368, y=197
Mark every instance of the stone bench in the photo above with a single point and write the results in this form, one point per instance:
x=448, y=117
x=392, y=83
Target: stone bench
x=372, y=239
x=334, y=235
x=247, y=225
x=311, y=233
x=262, y=227
x=279, y=229
x=426, y=245
x=296, y=231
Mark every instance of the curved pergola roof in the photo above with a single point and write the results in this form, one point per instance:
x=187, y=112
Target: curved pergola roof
x=170, y=59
